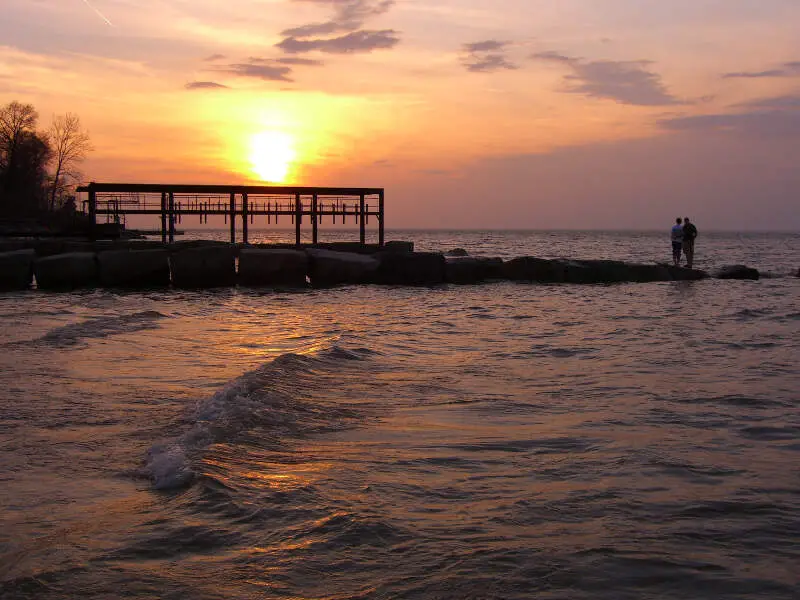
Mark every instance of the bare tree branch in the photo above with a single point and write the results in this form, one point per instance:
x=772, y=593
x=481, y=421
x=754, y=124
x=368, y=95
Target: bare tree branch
x=70, y=146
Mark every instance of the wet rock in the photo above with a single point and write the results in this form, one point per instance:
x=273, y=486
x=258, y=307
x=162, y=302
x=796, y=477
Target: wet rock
x=329, y=267
x=529, y=268
x=272, y=267
x=204, y=266
x=134, y=268
x=398, y=246
x=70, y=270
x=684, y=274
x=16, y=269
x=593, y=271
x=410, y=268
x=736, y=272
x=457, y=252
x=469, y=270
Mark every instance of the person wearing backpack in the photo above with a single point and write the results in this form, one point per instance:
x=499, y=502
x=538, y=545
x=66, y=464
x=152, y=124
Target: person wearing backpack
x=689, y=234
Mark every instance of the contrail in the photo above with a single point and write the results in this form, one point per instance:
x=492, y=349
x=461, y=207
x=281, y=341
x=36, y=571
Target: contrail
x=99, y=14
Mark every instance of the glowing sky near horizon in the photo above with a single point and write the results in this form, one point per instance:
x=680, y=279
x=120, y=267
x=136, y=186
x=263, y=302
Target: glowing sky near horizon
x=502, y=113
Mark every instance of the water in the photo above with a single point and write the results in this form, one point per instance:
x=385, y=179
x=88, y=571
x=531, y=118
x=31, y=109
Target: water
x=495, y=441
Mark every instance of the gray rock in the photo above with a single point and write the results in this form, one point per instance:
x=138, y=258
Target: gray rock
x=593, y=271
x=204, y=266
x=410, y=268
x=398, y=246
x=468, y=270
x=272, y=267
x=16, y=269
x=529, y=268
x=329, y=267
x=134, y=268
x=70, y=270
x=736, y=272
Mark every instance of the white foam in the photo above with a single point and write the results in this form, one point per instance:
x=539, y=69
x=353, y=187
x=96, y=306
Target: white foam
x=168, y=467
x=266, y=397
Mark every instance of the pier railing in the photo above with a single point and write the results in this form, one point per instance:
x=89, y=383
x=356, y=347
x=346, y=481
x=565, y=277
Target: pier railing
x=268, y=204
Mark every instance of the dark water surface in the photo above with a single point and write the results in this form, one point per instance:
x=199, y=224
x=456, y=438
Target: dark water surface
x=496, y=441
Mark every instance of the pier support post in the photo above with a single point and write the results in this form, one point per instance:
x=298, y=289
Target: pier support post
x=92, y=214
x=362, y=219
x=314, y=219
x=380, y=219
x=171, y=217
x=298, y=216
x=244, y=218
x=233, y=218
x=163, y=217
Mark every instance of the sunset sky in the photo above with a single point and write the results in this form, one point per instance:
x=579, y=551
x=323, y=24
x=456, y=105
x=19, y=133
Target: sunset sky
x=471, y=113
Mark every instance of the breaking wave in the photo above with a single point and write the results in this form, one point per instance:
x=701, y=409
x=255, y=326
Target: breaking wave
x=286, y=397
x=100, y=327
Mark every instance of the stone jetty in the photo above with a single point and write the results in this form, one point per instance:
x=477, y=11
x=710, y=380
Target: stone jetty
x=59, y=265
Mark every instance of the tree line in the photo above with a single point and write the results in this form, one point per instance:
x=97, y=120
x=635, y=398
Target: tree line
x=39, y=168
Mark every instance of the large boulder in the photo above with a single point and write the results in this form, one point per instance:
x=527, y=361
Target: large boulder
x=134, y=268
x=16, y=269
x=272, y=267
x=411, y=268
x=736, y=272
x=467, y=269
x=204, y=266
x=529, y=268
x=329, y=267
x=398, y=246
x=70, y=270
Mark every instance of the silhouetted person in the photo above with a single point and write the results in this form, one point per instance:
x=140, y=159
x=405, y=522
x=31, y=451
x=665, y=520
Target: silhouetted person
x=677, y=241
x=689, y=233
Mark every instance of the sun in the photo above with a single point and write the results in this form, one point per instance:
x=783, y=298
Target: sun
x=271, y=155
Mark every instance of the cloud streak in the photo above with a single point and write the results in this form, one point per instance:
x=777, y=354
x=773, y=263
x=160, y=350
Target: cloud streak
x=486, y=56
x=625, y=82
x=343, y=33
x=266, y=69
x=352, y=43
x=787, y=69
x=204, y=85
x=776, y=117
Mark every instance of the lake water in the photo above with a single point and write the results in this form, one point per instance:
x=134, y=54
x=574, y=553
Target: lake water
x=495, y=441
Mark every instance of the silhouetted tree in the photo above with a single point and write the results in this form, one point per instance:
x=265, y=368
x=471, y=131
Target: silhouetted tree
x=24, y=155
x=70, y=145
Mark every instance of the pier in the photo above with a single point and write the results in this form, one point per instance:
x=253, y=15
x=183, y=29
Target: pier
x=268, y=204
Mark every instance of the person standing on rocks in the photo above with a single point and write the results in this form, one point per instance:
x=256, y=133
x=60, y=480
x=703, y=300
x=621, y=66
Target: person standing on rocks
x=689, y=233
x=677, y=241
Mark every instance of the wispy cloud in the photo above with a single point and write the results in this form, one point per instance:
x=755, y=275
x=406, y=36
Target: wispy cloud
x=351, y=43
x=214, y=58
x=626, y=82
x=266, y=71
x=349, y=15
x=204, y=85
x=486, y=56
x=343, y=33
x=776, y=117
x=787, y=69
